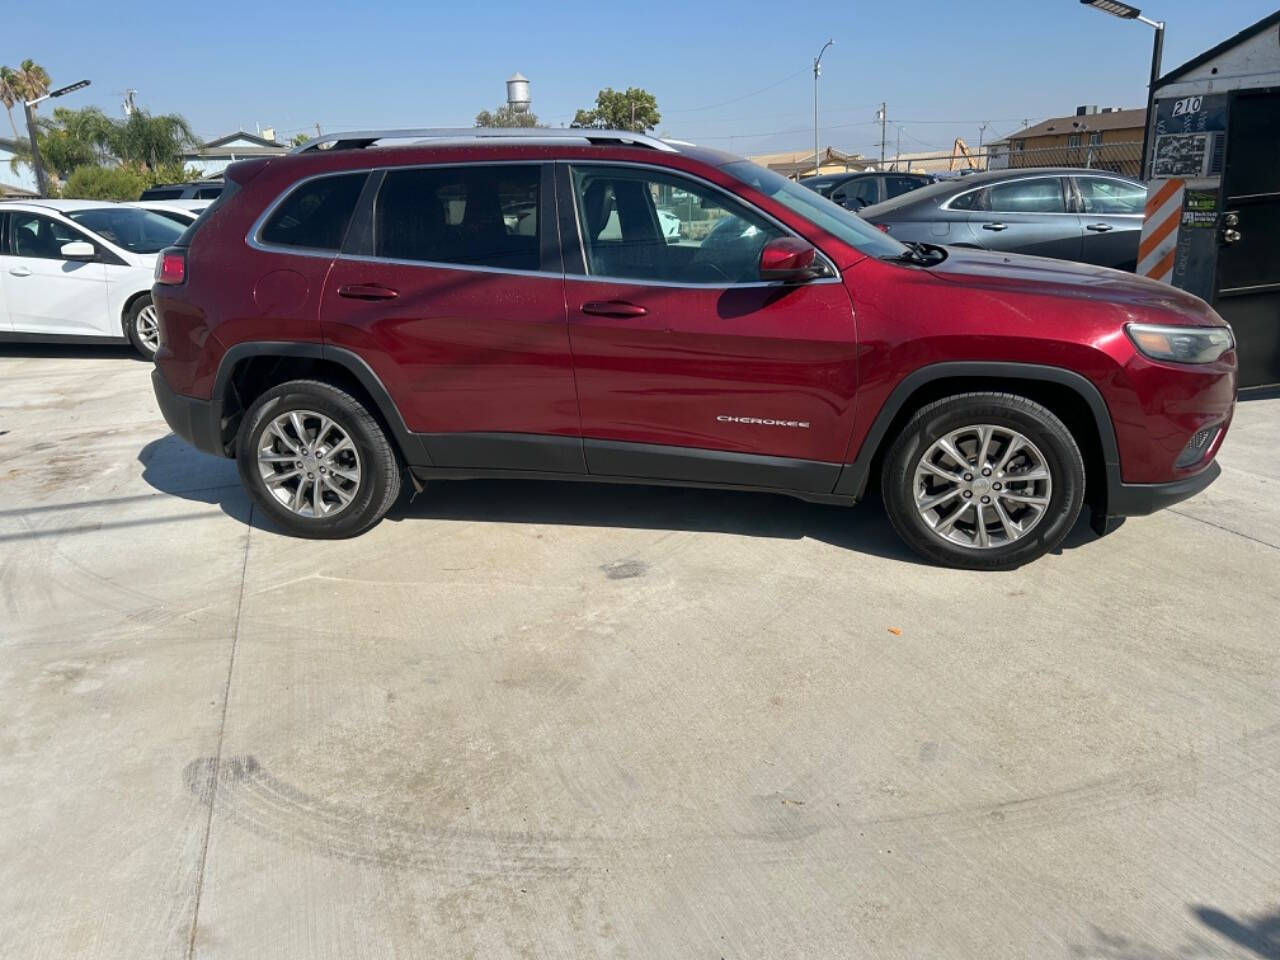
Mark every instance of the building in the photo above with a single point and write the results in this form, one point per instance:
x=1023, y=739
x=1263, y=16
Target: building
x=799, y=163
x=19, y=182
x=932, y=161
x=1212, y=222
x=214, y=156
x=1105, y=139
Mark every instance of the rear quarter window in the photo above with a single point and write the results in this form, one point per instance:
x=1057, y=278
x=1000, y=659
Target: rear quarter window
x=314, y=216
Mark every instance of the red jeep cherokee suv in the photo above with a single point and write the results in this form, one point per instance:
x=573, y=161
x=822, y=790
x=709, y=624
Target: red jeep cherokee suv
x=607, y=306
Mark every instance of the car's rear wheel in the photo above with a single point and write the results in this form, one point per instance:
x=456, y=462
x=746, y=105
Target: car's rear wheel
x=986, y=481
x=142, y=325
x=316, y=460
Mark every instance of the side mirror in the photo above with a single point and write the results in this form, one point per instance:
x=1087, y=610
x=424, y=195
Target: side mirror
x=78, y=250
x=789, y=259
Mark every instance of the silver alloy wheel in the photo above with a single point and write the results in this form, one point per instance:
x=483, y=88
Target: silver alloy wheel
x=982, y=486
x=309, y=463
x=148, y=326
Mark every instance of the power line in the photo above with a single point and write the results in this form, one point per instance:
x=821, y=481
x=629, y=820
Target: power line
x=745, y=96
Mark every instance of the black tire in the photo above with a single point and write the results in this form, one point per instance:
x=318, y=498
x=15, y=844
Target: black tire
x=379, y=483
x=1037, y=424
x=131, y=327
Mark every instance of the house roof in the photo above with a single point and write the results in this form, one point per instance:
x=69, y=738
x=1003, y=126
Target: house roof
x=1132, y=119
x=251, y=138
x=1248, y=32
x=792, y=162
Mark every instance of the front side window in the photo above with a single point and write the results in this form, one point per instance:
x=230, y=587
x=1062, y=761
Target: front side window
x=135, y=230
x=33, y=235
x=821, y=212
x=649, y=225
x=315, y=215
x=1100, y=195
x=857, y=194
x=470, y=216
x=1043, y=195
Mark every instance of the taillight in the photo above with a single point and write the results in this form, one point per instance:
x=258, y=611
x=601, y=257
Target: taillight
x=882, y=227
x=171, y=267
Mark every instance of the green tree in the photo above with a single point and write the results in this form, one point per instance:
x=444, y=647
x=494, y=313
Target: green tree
x=147, y=140
x=504, y=116
x=105, y=183
x=299, y=139
x=635, y=109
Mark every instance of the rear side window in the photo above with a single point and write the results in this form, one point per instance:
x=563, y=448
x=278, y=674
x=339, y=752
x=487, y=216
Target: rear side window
x=1111, y=196
x=315, y=215
x=896, y=186
x=477, y=216
x=1027, y=196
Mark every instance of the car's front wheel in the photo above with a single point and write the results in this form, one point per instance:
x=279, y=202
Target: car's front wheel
x=316, y=460
x=986, y=481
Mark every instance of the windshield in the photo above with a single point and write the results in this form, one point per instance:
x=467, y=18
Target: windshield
x=818, y=210
x=135, y=230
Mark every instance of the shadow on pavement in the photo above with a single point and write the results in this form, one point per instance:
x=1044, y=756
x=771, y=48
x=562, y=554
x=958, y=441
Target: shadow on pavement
x=1259, y=935
x=173, y=467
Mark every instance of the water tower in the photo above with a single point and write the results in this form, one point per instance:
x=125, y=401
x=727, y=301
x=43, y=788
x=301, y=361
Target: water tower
x=518, y=93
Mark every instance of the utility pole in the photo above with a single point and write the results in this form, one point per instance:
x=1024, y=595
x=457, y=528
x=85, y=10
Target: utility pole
x=898, y=156
x=817, y=70
x=884, y=121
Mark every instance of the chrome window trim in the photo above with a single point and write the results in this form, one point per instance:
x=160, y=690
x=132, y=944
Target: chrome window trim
x=445, y=265
x=676, y=172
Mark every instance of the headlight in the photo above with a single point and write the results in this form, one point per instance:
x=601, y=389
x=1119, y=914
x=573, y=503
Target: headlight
x=1181, y=344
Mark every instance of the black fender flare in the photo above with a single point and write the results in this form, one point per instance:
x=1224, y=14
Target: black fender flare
x=854, y=477
x=411, y=446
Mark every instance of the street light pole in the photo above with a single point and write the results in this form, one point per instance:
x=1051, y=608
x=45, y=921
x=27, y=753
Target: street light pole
x=42, y=181
x=1117, y=8
x=817, y=69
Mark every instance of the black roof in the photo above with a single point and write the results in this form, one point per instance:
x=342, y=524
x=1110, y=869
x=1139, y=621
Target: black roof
x=1250, y=31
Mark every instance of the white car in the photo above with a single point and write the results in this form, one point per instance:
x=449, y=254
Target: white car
x=80, y=270
x=181, y=212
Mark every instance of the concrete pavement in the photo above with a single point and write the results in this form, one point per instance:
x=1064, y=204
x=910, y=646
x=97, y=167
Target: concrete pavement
x=538, y=720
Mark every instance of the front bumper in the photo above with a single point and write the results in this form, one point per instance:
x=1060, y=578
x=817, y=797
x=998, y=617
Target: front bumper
x=1140, y=499
x=188, y=417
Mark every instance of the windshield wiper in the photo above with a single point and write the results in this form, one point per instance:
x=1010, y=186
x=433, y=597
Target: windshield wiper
x=922, y=253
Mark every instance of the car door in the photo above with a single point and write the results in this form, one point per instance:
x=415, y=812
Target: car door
x=46, y=292
x=1025, y=215
x=5, y=325
x=450, y=287
x=688, y=366
x=1110, y=211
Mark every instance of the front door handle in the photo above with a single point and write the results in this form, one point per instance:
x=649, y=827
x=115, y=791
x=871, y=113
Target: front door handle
x=994, y=226
x=367, y=291
x=20, y=271
x=1099, y=227
x=613, y=308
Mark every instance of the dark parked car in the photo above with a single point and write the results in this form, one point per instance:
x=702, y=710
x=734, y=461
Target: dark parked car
x=344, y=319
x=853, y=191
x=1072, y=214
x=196, y=190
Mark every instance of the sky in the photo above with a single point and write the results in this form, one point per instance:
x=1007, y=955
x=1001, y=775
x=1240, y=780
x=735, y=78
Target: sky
x=737, y=76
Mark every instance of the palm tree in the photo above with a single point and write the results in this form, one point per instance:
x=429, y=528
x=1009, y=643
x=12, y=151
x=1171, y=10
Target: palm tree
x=33, y=80
x=148, y=141
x=9, y=95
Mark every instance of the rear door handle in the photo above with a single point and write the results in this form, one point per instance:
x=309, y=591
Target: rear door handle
x=367, y=291
x=20, y=271
x=613, y=308
x=1098, y=227
x=994, y=226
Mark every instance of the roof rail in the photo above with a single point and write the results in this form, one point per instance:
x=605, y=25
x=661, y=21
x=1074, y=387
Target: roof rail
x=359, y=139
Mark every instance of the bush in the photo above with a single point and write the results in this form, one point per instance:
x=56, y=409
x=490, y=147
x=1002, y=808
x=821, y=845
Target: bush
x=104, y=183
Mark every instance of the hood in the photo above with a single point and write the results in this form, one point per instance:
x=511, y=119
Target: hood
x=1041, y=276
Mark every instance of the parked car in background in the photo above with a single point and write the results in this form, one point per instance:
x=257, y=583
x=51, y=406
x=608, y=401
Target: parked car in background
x=1067, y=213
x=332, y=322
x=80, y=270
x=194, y=190
x=181, y=212
x=853, y=191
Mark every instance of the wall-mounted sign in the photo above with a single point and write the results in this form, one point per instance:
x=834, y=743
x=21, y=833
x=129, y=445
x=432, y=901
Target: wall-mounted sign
x=1189, y=136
